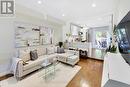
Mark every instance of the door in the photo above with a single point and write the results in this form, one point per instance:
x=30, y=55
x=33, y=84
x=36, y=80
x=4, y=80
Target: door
x=101, y=37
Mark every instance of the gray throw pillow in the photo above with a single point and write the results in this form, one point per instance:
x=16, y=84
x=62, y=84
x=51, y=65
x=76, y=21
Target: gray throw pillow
x=33, y=55
x=60, y=50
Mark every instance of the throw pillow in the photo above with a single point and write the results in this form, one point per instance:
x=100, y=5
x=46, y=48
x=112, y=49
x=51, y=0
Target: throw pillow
x=50, y=50
x=25, y=63
x=24, y=55
x=60, y=50
x=55, y=49
x=41, y=51
x=33, y=55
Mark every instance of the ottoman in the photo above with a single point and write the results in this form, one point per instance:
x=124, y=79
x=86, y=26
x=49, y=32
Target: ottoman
x=72, y=60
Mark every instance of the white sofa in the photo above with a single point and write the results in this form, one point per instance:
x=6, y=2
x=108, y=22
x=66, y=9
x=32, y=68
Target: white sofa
x=44, y=54
x=70, y=57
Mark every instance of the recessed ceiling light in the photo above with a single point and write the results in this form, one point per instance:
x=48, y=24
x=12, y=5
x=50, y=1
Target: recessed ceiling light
x=39, y=2
x=93, y=5
x=63, y=15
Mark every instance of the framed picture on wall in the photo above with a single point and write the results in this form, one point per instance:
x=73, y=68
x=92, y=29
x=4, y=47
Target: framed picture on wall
x=46, y=35
x=26, y=35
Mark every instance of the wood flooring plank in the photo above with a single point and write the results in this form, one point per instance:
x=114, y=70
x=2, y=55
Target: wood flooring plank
x=90, y=74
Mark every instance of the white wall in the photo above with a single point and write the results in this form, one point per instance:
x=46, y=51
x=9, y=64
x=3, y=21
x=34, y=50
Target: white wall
x=38, y=19
x=66, y=30
x=123, y=8
x=7, y=34
x=6, y=43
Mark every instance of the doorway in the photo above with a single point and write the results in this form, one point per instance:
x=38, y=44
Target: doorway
x=101, y=37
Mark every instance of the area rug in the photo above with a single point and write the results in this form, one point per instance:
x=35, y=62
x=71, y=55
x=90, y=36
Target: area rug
x=63, y=75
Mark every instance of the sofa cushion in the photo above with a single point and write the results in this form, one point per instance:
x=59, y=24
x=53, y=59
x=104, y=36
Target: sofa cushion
x=24, y=55
x=39, y=61
x=41, y=51
x=50, y=50
x=65, y=54
x=48, y=56
x=33, y=55
x=55, y=47
x=72, y=58
x=32, y=64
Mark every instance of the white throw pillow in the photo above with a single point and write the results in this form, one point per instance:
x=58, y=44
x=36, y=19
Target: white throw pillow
x=55, y=49
x=50, y=50
x=24, y=55
x=41, y=51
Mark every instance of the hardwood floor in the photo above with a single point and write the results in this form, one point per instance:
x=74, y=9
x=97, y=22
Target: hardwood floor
x=90, y=75
x=5, y=77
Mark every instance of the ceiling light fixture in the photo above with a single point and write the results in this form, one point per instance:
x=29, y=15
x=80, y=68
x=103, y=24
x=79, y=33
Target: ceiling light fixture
x=93, y=5
x=39, y=2
x=63, y=15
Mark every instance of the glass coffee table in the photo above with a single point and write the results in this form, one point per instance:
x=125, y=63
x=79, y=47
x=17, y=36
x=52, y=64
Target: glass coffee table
x=50, y=69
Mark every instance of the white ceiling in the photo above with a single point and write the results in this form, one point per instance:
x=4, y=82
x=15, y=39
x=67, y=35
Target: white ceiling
x=73, y=10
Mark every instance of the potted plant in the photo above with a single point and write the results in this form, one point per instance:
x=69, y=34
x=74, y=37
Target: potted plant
x=113, y=48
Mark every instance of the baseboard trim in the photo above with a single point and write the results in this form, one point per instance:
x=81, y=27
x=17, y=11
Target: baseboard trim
x=4, y=73
x=5, y=76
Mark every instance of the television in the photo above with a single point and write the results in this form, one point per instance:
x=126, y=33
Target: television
x=123, y=37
